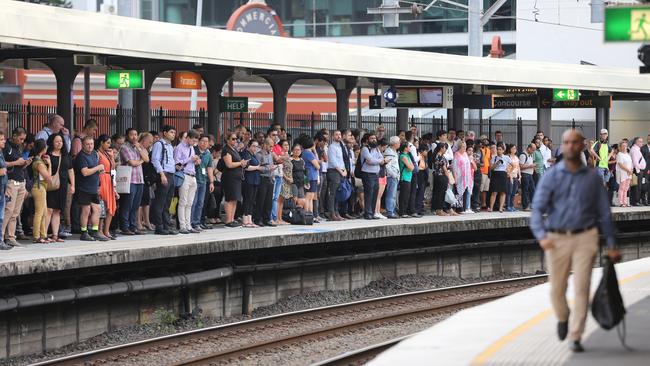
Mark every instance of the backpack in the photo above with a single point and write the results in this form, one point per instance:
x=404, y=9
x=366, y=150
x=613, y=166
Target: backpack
x=358, y=166
x=299, y=216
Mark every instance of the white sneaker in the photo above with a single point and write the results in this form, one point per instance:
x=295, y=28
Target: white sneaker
x=380, y=216
x=468, y=212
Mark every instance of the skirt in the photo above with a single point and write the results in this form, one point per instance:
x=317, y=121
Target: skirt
x=499, y=182
x=231, y=188
x=56, y=200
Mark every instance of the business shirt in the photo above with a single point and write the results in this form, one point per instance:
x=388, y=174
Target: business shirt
x=183, y=154
x=162, y=157
x=637, y=159
x=571, y=201
x=129, y=152
x=266, y=161
x=335, y=156
x=546, y=155
x=370, y=160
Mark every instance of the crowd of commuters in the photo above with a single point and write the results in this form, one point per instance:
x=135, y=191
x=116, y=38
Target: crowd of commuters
x=170, y=182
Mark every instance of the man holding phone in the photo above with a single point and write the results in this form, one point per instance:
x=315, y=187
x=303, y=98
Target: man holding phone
x=16, y=192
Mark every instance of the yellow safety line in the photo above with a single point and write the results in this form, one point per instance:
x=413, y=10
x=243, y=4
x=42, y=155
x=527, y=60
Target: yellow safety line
x=495, y=347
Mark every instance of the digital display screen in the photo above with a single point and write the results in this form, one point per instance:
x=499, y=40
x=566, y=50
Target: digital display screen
x=431, y=96
x=407, y=96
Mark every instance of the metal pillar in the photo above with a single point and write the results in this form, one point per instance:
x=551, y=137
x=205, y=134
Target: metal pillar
x=86, y=93
x=65, y=72
x=359, y=114
x=402, y=119
x=455, y=118
x=142, y=97
x=602, y=120
x=475, y=29
x=280, y=85
x=343, y=87
x=544, y=120
x=214, y=82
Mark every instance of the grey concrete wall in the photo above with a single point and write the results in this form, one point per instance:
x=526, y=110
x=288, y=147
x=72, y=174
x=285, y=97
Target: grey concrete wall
x=34, y=330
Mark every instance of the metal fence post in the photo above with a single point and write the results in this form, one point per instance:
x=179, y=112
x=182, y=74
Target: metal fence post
x=520, y=134
x=573, y=123
x=29, y=116
x=161, y=117
x=312, y=122
x=490, y=128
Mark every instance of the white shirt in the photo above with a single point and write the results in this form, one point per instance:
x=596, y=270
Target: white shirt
x=546, y=155
x=626, y=160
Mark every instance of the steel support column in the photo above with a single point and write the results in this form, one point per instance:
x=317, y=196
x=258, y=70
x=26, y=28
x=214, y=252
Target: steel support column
x=602, y=120
x=544, y=120
x=402, y=119
x=280, y=85
x=455, y=118
x=65, y=72
x=344, y=88
x=214, y=82
x=142, y=97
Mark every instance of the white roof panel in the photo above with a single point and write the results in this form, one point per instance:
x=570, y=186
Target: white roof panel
x=44, y=26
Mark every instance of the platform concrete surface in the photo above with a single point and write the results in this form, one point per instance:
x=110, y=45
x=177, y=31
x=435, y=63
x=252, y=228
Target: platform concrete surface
x=75, y=254
x=521, y=330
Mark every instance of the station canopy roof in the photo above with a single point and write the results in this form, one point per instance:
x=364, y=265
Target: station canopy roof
x=45, y=27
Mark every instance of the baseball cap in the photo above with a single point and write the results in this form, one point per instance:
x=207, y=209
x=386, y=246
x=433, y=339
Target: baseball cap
x=604, y=130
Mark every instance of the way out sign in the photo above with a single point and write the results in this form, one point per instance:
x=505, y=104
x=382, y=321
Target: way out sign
x=566, y=94
x=627, y=23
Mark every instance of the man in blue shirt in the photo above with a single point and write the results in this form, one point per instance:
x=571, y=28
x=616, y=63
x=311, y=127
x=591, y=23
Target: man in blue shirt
x=162, y=158
x=569, y=208
x=371, y=159
x=335, y=172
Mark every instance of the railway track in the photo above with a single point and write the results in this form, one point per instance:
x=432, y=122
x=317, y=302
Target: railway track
x=242, y=342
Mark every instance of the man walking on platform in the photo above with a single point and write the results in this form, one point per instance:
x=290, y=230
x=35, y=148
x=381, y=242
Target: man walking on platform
x=569, y=208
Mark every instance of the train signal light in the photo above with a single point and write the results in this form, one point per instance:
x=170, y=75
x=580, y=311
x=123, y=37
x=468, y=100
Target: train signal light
x=390, y=95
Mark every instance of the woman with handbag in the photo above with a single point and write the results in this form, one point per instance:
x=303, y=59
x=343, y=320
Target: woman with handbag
x=107, y=192
x=62, y=183
x=441, y=176
x=42, y=173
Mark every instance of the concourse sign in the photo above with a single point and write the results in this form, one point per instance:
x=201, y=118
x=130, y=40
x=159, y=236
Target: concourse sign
x=566, y=94
x=627, y=23
x=516, y=102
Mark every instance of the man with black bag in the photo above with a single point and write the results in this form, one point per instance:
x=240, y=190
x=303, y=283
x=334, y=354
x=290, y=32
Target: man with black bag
x=569, y=208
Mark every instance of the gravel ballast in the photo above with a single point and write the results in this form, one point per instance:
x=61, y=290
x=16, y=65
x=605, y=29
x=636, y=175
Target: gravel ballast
x=384, y=287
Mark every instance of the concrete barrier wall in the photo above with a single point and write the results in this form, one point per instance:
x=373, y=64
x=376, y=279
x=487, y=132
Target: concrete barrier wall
x=34, y=330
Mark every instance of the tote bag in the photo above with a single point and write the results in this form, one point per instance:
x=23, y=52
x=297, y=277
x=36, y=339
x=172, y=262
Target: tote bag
x=123, y=179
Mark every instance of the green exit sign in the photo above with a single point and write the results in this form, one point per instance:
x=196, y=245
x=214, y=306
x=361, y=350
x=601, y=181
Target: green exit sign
x=565, y=94
x=234, y=104
x=627, y=23
x=124, y=79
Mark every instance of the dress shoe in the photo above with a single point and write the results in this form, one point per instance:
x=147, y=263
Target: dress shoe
x=183, y=231
x=337, y=218
x=161, y=232
x=391, y=216
x=576, y=347
x=206, y=226
x=349, y=217
x=127, y=232
x=270, y=223
x=562, y=330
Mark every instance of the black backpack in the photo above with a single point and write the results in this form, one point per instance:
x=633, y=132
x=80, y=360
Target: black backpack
x=358, y=166
x=299, y=216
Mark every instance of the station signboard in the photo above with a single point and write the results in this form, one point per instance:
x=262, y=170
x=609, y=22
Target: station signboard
x=473, y=101
x=374, y=102
x=124, y=79
x=234, y=104
x=516, y=102
x=186, y=80
x=596, y=101
x=422, y=97
x=627, y=23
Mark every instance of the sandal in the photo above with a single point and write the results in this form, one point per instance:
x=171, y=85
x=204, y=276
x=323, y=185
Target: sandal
x=40, y=241
x=56, y=239
x=251, y=226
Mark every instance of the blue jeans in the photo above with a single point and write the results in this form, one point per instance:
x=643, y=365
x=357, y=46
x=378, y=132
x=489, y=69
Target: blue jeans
x=527, y=190
x=277, y=188
x=604, y=174
x=391, y=195
x=197, y=204
x=513, y=188
x=131, y=204
x=467, y=199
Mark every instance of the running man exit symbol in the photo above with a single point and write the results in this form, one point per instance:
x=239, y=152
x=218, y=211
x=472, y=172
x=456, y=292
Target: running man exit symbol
x=125, y=81
x=640, y=25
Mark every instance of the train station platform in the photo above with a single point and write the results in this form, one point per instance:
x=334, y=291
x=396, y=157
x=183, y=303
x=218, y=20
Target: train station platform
x=75, y=254
x=520, y=330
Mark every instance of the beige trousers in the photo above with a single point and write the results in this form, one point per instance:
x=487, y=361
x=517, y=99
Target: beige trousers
x=39, y=194
x=17, y=192
x=572, y=253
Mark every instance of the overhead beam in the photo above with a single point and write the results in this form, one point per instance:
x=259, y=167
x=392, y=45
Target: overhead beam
x=485, y=18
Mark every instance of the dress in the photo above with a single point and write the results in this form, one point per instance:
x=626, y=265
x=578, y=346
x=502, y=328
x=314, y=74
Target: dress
x=56, y=200
x=298, y=185
x=287, y=170
x=231, y=178
x=106, y=190
x=462, y=169
x=499, y=178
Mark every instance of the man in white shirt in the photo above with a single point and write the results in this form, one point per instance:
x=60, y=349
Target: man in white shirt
x=547, y=154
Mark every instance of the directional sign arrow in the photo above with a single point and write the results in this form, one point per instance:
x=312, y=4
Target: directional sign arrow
x=560, y=94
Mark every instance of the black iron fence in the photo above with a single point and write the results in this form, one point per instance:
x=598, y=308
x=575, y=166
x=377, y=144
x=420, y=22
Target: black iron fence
x=118, y=119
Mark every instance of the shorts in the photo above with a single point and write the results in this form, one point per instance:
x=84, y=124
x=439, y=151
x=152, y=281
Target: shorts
x=383, y=181
x=85, y=199
x=485, y=183
x=313, y=186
